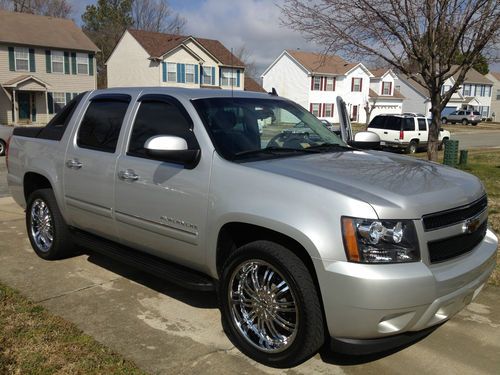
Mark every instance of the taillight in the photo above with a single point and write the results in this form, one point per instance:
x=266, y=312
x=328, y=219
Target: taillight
x=401, y=134
x=7, y=153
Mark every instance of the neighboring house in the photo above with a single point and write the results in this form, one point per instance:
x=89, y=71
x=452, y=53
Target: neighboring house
x=315, y=80
x=144, y=58
x=474, y=94
x=495, y=95
x=384, y=97
x=44, y=63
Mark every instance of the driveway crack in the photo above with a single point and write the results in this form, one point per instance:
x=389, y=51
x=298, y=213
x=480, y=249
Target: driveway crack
x=76, y=290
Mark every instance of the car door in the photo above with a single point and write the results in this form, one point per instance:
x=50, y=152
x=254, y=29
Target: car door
x=90, y=165
x=423, y=131
x=161, y=207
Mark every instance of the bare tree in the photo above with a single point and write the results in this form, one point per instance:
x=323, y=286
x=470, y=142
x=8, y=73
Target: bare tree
x=418, y=38
x=369, y=106
x=52, y=8
x=245, y=56
x=156, y=15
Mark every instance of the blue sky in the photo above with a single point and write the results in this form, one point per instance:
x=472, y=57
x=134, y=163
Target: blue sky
x=252, y=23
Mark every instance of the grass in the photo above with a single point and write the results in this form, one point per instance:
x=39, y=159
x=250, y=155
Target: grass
x=32, y=341
x=485, y=164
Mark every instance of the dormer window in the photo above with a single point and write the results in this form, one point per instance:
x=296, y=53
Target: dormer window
x=386, y=88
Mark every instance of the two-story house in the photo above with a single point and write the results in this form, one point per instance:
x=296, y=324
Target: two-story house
x=144, y=58
x=495, y=95
x=474, y=94
x=315, y=80
x=44, y=63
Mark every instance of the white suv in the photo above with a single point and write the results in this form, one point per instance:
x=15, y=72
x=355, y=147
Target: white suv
x=408, y=132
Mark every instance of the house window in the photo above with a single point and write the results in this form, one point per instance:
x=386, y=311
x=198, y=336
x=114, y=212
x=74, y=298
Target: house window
x=22, y=59
x=466, y=90
x=330, y=83
x=228, y=78
x=487, y=91
x=328, y=110
x=386, y=88
x=356, y=85
x=498, y=94
x=59, y=100
x=317, y=83
x=398, y=88
x=57, y=58
x=190, y=73
x=82, y=63
x=315, y=107
x=207, y=75
x=171, y=72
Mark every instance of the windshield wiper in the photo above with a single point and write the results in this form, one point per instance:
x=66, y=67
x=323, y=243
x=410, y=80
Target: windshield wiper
x=329, y=147
x=276, y=151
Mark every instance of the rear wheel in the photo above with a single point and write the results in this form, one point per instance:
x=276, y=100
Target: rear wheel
x=412, y=147
x=464, y=121
x=270, y=306
x=2, y=148
x=444, y=120
x=47, y=231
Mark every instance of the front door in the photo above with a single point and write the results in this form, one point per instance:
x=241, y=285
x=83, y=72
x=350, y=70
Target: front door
x=355, y=113
x=161, y=207
x=24, y=99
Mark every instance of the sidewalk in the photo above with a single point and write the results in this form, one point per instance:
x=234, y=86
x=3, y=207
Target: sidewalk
x=165, y=329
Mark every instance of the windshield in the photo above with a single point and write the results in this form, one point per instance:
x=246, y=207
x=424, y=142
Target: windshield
x=245, y=129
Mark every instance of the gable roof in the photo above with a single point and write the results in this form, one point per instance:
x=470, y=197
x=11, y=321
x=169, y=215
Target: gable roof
x=396, y=95
x=32, y=30
x=473, y=76
x=413, y=82
x=496, y=75
x=320, y=63
x=252, y=85
x=158, y=44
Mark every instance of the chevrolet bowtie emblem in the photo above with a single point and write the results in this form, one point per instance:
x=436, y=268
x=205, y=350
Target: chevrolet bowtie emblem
x=471, y=225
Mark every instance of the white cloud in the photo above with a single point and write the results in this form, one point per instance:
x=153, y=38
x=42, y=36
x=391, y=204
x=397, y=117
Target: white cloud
x=253, y=23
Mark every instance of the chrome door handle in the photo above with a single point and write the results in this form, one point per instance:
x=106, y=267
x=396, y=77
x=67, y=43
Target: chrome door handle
x=128, y=175
x=74, y=164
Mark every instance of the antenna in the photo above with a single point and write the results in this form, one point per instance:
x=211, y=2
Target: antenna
x=232, y=73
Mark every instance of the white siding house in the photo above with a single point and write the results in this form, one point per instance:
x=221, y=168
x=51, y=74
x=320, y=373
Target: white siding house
x=495, y=95
x=143, y=58
x=314, y=81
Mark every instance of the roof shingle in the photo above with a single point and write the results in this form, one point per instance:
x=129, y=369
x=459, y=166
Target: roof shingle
x=32, y=30
x=320, y=63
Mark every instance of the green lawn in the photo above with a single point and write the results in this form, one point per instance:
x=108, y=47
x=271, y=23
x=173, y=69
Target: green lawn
x=32, y=341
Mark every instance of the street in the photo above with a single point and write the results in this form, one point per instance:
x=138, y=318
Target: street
x=477, y=140
x=166, y=329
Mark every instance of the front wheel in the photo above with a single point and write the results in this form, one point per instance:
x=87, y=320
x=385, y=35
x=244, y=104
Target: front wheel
x=270, y=306
x=465, y=122
x=47, y=231
x=2, y=148
x=444, y=120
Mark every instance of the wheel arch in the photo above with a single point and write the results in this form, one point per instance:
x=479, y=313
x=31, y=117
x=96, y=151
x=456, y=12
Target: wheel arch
x=33, y=181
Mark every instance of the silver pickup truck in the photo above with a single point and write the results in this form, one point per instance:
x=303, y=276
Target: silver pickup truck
x=304, y=236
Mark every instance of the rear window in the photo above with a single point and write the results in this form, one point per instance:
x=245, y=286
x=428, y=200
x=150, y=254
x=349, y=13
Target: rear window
x=377, y=122
x=54, y=130
x=476, y=113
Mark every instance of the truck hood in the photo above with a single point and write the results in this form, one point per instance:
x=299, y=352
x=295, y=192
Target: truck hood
x=396, y=186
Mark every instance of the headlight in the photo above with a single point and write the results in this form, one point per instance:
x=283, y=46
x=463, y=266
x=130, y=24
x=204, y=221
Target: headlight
x=380, y=241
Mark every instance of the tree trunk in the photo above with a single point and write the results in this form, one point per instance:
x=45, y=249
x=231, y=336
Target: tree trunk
x=433, y=140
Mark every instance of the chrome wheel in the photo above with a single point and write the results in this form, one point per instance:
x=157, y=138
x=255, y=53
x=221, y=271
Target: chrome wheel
x=263, y=306
x=41, y=225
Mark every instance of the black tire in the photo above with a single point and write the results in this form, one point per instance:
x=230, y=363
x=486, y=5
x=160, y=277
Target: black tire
x=474, y=123
x=61, y=245
x=3, y=147
x=308, y=333
x=444, y=120
x=412, y=147
x=465, y=122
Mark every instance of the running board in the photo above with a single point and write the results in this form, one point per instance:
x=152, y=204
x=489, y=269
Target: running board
x=151, y=264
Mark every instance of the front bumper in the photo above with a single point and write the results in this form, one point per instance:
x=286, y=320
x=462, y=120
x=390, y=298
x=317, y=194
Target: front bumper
x=367, y=301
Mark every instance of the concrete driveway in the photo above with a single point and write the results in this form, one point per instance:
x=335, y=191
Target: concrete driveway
x=168, y=330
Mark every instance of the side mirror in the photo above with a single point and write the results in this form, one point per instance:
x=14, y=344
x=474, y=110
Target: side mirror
x=365, y=141
x=172, y=149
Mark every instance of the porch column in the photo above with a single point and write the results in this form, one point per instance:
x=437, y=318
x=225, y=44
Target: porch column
x=14, y=112
x=46, y=107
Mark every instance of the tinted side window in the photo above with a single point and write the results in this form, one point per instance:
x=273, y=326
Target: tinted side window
x=393, y=123
x=408, y=124
x=101, y=125
x=422, y=126
x=159, y=118
x=55, y=128
x=461, y=113
x=377, y=123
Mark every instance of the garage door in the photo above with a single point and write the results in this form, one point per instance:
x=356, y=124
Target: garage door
x=447, y=110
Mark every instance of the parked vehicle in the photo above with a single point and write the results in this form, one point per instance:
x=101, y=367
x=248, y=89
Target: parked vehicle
x=407, y=132
x=462, y=116
x=5, y=133
x=304, y=239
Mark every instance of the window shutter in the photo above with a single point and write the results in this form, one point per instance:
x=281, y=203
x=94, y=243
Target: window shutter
x=183, y=66
x=334, y=84
x=48, y=65
x=352, y=84
x=311, y=108
x=238, y=77
x=164, y=71
x=196, y=70
x=50, y=102
x=91, y=64
x=390, y=88
x=361, y=84
x=66, y=63
x=321, y=84
x=179, y=73
x=32, y=60
x=73, y=62
x=220, y=76
x=68, y=97
x=213, y=75
x=324, y=109
x=312, y=85
x=333, y=108
x=12, y=62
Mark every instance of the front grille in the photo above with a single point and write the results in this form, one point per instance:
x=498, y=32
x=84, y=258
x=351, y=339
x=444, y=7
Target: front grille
x=455, y=215
x=451, y=247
